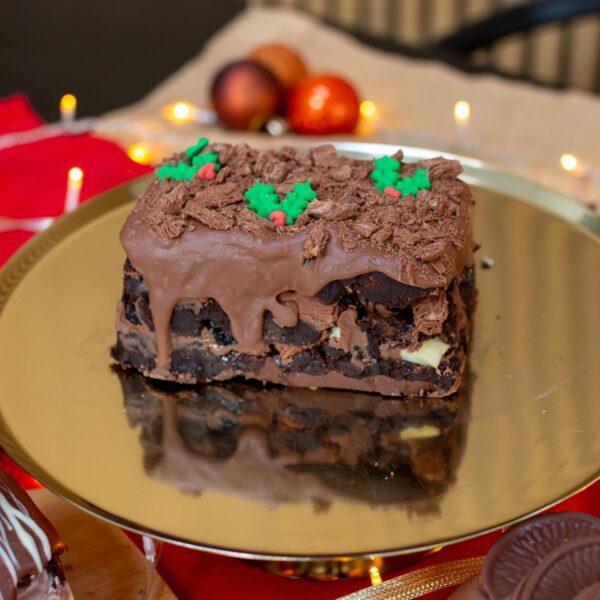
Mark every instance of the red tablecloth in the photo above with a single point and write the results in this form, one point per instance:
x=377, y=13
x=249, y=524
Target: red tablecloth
x=32, y=183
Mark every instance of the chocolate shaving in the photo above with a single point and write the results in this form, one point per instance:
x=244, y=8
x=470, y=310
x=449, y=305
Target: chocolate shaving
x=173, y=201
x=440, y=169
x=332, y=211
x=431, y=251
x=316, y=241
x=212, y=219
x=364, y=228
x=216, y=196
x=319, y=208
x=383, y=234
x=430, y=313
x=170, y=227
x=342, y=173
x=323, y=156
x=222, y=175
x=249, y=221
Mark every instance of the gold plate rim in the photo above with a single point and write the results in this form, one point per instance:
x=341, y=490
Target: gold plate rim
x=476, y=172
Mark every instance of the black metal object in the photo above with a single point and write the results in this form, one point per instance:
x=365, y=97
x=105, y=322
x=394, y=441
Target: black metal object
x=515, y=19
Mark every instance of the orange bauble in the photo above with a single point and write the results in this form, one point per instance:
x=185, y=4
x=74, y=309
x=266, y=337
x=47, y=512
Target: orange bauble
x=283, y=62
x=323, y=104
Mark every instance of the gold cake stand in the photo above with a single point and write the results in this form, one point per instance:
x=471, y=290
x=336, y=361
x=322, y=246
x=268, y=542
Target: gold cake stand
x=531, y=434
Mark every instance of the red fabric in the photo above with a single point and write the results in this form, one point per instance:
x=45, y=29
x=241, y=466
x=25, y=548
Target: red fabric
x=32, y=183
x=33, y=177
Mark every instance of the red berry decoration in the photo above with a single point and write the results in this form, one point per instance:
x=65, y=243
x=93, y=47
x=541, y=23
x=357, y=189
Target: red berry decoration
x=245, y=95
x=391, y=191
x=323, y=104
x=207, y=171
x=278, y=217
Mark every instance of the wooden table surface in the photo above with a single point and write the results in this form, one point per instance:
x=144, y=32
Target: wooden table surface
x=101, y=563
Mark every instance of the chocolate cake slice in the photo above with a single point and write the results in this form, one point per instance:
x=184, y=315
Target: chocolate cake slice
x=30, y=549
x=303, y=269
x=284, y=444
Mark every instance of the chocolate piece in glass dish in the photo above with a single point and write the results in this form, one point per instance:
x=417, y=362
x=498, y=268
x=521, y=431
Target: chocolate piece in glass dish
x=284, y=444
x=555, y=556
x=30, y=549
x=303, y=269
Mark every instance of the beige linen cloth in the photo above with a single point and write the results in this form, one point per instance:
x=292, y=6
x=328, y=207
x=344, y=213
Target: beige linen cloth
x=518, y=126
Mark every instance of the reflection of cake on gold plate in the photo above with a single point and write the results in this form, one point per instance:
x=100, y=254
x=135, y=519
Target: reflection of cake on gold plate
x=295, y=445
x=303, y=269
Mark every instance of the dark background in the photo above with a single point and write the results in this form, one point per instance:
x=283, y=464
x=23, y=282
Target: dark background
x=110, y=53
x=107, y=53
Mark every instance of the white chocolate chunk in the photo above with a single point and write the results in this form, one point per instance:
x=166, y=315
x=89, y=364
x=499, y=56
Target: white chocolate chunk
x=335, y=333
x=421, y=432
x=429, y=354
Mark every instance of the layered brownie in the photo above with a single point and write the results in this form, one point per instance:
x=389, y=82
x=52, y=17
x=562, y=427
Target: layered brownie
x=30, y=549
x=303, y=269
x=284, y=444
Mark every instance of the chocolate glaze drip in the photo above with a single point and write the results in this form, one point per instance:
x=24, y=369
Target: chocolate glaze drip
x=199, y=240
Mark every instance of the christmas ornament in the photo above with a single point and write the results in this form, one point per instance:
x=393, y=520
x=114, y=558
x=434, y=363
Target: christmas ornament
x=283, y=62
x=323, y=104
x=245, y=95
x=387, y=178
x=264, y=201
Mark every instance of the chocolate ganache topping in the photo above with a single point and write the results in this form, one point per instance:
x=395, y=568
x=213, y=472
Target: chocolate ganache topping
x=199, y=238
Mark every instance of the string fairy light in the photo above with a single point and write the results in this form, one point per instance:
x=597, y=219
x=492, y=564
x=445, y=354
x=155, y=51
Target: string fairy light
x=74, y=185
x=180, y=112
x=140, y=153
x=367, y=123
x=153, y=139
x=576, y=168
x=570, y=163
x=68, y=108
x=186, y=112
x=375, y=576
x=368, y=109
x=462, y=116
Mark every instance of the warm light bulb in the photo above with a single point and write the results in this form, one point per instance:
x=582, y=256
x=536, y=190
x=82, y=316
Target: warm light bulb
x=181, y=111
x=368, y=109
x=569, y=163
x=375, y=576
x=75, y=176
x=462, y=111
x=68, y=103
x=140, y=153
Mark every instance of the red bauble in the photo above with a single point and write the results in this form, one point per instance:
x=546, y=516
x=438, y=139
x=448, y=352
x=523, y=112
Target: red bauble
x=245, y=95
x=323, y=104
x=285, y=63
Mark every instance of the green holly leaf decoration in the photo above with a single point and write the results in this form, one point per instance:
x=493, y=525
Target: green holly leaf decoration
x=203, y=159
x=196, y=159
x=386, y=174
x=409, y=186
x=263, y=200
x=196, y=148
x=297, y=201
x=181, y=171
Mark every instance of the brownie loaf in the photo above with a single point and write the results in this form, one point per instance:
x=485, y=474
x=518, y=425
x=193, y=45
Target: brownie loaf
x=360, y=288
